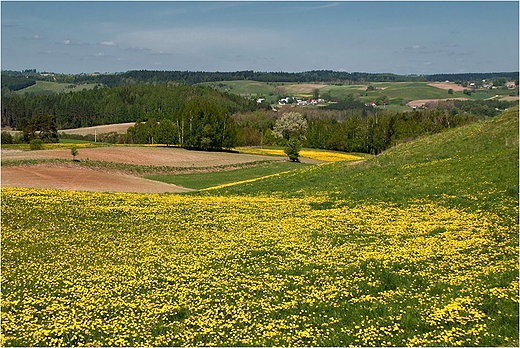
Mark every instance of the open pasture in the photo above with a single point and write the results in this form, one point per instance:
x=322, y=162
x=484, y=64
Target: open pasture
x=54, y=87
x=96, y=269
x=415, y=247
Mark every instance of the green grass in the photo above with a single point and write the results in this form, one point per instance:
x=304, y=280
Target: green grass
x=415, y=247
x=76, y=141
x=475, y=165
x=54, y=87
x=199, y=181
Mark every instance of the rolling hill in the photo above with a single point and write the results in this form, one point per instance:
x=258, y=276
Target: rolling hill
x=472, y=165
x=417, y=246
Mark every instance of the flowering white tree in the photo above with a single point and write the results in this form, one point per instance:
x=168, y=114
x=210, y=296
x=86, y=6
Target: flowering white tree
x=289, y=125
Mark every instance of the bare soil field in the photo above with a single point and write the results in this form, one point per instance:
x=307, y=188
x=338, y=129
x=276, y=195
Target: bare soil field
x=420, y=102
x=64, y=176
x=154, y=156
x=447, y=86
x=120, y=128
x=81, y=179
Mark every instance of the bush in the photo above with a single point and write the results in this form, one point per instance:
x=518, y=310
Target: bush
x=36, y=144
x=6, y=138
x=293, y=149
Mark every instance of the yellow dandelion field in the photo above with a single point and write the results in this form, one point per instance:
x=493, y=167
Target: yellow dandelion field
x=112, y=269
x=320, y=155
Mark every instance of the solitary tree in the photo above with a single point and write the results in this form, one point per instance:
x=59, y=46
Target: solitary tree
x=291, y=128
x=293, y=149
x=290, y=124
x=74, y=152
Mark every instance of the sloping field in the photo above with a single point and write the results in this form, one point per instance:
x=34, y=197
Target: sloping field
x=120, y=128
x=142, y=155
x=80, y=179
x=447, y=86
x=415, y=247
x=26, y=169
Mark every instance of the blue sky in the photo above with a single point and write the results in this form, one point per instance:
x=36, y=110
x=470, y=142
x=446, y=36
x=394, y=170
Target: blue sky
x=396, y=37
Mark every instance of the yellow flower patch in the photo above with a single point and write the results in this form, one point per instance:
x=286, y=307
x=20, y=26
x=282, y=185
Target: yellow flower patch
x=110, y=269
x=320, y=155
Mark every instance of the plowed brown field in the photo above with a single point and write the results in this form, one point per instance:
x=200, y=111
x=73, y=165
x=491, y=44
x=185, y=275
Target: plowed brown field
x=81, y=179
x=73, y=177
x=155, y=156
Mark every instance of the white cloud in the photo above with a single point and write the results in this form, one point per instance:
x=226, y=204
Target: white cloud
x=66, y=42
x=108, y=43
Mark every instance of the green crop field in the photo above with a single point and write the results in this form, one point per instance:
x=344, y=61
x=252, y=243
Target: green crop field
x=415, y=247
x=398, y=93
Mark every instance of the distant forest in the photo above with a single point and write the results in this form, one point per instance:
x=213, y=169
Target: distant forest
x=16, y=80
x=116, y=105
x=167, y=107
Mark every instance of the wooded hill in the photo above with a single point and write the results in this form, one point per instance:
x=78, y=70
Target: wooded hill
x=202, y=117
x=116, y=105
x=15, y=80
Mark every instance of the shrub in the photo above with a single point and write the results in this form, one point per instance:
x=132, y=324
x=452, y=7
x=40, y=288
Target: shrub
x=6, y=138
x=36, y=144
x=74, y=152
x=293, y=149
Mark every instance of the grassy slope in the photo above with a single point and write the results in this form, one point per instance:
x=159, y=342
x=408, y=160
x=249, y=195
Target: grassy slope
x=199, y=181
x=474, y=166
x=54, y=87
x=217, y=269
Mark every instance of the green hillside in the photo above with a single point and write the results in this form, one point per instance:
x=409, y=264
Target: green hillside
x=45, y=87
x=415, y=247
x=472, y=166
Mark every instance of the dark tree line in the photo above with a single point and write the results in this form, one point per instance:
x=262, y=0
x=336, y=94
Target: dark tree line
x=378, y=132
x=198, y=124
x=15, y=83
x=472, y=76
x=129, y=103
x=15, y=79
x=194, y=77
x=330, y=76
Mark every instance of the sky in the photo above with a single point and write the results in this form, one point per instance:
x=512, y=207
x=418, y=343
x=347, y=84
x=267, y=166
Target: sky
x=412, y=37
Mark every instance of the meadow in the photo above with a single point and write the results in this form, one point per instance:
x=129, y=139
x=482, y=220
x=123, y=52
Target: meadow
x=415, y=247
x=43, y=87
x=398, y=93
